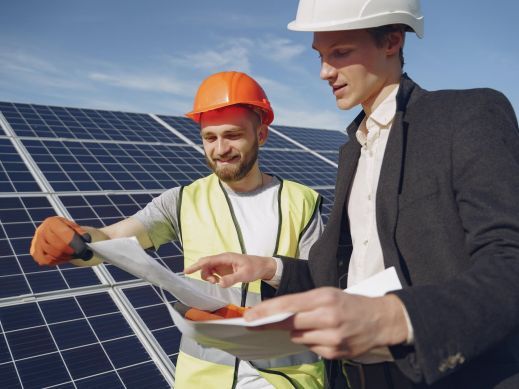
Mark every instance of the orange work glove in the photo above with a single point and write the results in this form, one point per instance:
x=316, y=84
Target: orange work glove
x=195, y=314
x=58, y=240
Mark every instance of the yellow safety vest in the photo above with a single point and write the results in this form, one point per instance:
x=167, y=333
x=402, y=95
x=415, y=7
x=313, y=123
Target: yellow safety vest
x=207, y=227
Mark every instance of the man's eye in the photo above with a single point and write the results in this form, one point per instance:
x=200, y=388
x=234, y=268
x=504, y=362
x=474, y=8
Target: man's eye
x=341, y=53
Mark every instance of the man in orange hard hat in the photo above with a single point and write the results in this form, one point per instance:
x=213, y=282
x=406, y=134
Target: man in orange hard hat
x=238, y=208
x=428, y=184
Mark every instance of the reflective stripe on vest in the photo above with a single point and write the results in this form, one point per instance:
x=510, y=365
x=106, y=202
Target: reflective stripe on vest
x=208, y=227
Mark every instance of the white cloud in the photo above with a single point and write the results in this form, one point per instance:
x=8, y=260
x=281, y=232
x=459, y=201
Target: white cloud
x=280, y=49
x=231, y=54
x=145, y=82
x=18, y=67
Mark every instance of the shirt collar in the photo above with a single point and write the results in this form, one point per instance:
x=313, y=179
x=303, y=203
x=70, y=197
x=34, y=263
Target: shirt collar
x=380, y=118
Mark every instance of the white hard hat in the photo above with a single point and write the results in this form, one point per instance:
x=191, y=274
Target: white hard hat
x=336, y=15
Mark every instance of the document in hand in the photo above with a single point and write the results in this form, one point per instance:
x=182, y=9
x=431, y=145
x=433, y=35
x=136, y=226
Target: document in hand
x=231, y=335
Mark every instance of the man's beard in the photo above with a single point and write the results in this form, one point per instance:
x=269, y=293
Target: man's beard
x=235, y=172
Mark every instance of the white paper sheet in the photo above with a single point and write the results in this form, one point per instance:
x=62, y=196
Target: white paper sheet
x=127, y=254
x=377, y=285
x=230, y=335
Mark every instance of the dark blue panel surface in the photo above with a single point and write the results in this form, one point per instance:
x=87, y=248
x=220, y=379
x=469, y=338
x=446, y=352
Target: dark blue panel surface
x=8, y=376
x=110, y=326
x=75, y=123
x=56, y=342
x=313, y=138
x=117, y=351
x=17, y=317
x=145, y=375
x=107, y=380
x=153, y=312
x=302, y=167
x=72, y=334
x=87, y=361
x=186, y=126
x=77, y=166
x=42, y=371
x=14, y=174
x=33, y=341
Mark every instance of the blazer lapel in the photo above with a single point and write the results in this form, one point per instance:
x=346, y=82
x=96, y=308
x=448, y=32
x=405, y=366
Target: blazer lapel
x=390, y=181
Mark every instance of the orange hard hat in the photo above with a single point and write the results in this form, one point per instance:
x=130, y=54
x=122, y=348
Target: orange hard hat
x=230, y=88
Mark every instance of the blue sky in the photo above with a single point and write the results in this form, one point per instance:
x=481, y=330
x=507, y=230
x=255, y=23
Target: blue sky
x=150, y=56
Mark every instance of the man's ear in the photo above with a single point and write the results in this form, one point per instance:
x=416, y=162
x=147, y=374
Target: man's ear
x=395, y=41
x=263, y=134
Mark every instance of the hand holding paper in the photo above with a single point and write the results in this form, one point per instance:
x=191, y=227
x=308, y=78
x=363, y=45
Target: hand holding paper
x=341, y=325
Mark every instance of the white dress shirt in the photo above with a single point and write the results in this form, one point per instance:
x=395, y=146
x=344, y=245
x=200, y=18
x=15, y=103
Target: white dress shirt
x=367, y=258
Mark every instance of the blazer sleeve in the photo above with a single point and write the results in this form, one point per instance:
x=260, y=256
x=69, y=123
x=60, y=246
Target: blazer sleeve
x=462, y=318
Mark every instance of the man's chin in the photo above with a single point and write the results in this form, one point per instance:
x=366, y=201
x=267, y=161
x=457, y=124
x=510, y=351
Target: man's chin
x=226, y=175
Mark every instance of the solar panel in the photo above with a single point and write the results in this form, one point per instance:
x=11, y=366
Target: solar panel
x=75, y=123
x=19, y=274
x=153, y=312
x=100, y=167
x=85, y=166
x=14, y=174
x=303, y=167
x=185, y=125
x=81, y=340
x=313, y=138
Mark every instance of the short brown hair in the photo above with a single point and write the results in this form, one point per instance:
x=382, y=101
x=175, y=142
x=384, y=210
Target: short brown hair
x=379, y=35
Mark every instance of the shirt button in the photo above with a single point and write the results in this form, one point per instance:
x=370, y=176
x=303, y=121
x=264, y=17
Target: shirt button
x=369, y=196
x=365, y=243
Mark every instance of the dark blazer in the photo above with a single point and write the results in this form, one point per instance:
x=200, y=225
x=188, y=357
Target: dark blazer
x=448, y=220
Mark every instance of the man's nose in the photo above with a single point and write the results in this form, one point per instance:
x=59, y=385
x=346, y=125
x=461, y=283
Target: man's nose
x=327, y=72
x=222, y=146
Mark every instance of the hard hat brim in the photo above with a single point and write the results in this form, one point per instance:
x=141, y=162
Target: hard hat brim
x=416, y=24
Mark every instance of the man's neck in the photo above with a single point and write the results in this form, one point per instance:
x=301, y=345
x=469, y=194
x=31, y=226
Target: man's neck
x=254, y=180
x=375, y=101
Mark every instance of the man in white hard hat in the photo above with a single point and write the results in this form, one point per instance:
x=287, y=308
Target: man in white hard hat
x=428, y=184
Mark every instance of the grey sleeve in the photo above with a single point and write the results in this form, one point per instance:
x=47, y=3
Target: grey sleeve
x=160, y=217
x=310, y=235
